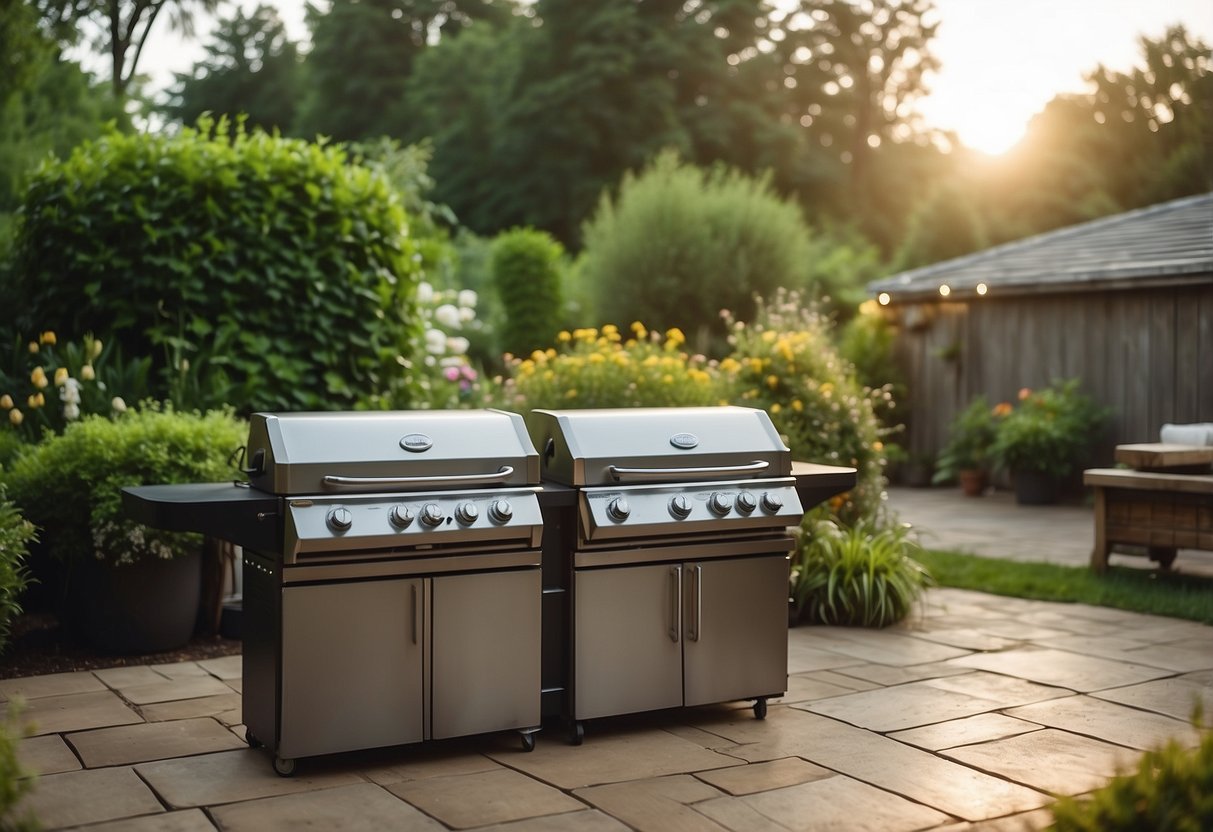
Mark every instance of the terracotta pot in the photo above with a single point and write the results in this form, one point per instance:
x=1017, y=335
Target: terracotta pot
x=972, y=482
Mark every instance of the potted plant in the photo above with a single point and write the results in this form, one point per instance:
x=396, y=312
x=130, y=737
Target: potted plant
x=966, y=455
x=129, y=588
x=1043, y=440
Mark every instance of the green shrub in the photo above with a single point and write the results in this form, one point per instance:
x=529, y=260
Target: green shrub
x=679, y=242
x=273, y=268
x=867, y=342
x=1171, y=791
x=860, y=575
x=70, y=486
x=15, y=780
x=785, y=363
x=1049, y=431
x=970, y=436
x=526, y=266
x=601, y=369
x=15, y=535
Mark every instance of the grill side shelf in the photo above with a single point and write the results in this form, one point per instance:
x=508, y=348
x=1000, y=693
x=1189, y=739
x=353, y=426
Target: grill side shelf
x=817, y=483
x=223, y=510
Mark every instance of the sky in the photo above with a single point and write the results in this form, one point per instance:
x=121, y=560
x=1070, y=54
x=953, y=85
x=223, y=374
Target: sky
x=1002, y=60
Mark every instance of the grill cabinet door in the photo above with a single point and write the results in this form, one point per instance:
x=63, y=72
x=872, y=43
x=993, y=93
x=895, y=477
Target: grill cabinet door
x=628, y=643
x=736, y=625
x=351, y=666
x=486, y=652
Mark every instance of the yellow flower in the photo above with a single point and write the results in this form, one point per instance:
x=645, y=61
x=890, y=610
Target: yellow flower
x=776, y=407
x=768, y=336
x=638, y=328
x=38, y=378
x=96, y=347
x=16, y=416
x=47, y=337
x=878, y=446
x=564, y=336
x=650, y=361
x=772, y=381
x=610, y=332
x=33, y=347
x=571, y=393
x=539, y=356
x=596, y=358
x=6, y=401
x=87, y=373
x=827, y=389
x=667, y=379
x=549, y=352
x=797, y=405
x=35, y=401
x=60, y=376
x=730, y=365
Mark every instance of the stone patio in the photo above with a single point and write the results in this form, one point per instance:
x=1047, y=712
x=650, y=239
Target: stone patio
x=973, y=714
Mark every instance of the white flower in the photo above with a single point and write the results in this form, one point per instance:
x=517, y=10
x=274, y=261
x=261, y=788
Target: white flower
x=435, y=341
x=425, y=292
x=70, y=394
x=466, y=313
x=118, y=405
x=457, y=345
x=447, y=315
x=467, y=298
x=71, y=411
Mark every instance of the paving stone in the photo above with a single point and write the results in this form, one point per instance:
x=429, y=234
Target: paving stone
x=1006, y=692
x=151, y=741
x=187, y=820
x=1021, y=822
x=227, y=667
x=882, y=674
x=78, y=712
x=842, y=679
x=231, y=776
x=1176, y=697
x=966, y=731
x=698, y=736
x=165, y=690
x=54, y=684
x=588, y=820
x=891, y=648
x=918, y=775
x=466, y=800
x=120, y=678
x=842, y=803
x=612, y=757
x=737, y=816
x=966, y=638
x=1062, y=668
x=235, y=684
x=362, y=807
x=1104, y=646
x=900, y=707
x=656, y=804
x=806, y=689
x=1050, y=760
x=78, y=797
x=224, y=707
x=1109, y=721
x=803, y=657
x=179, y=670
x=758, y=777
x=47, y=755
x=1183, y=656
x=1016, y=630
x=424, y=762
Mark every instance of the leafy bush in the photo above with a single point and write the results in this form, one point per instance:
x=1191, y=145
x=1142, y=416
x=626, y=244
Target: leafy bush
x=70, y=486
x=785, y=363
x=272, y=268
x=679, y=242
x=15, y=535
x=867, y=341
x=601, y=369
x=15, y=780
x=970, y=436
x=526, y=272
x=1171, y=791
x=860, y=575
x=1049, y=431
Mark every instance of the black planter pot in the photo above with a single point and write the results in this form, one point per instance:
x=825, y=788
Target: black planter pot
x=1032, y=488
x=146, y=607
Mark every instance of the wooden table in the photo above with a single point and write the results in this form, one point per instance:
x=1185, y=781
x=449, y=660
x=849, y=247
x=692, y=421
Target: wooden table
x=1159, y=456
x=1162, y=511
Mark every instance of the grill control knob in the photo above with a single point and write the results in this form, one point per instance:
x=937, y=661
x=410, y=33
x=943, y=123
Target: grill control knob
x=746, y=502
x=401, y=516
x=340, y=520
x=680, y=507
x=772, y=502
x=720, y=504
x=431, y=515
x=500, y=511
x=466, y=513
x=618, y=509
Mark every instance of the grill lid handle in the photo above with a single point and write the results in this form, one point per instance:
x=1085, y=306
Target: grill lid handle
x=374, y=483
x=642, y=474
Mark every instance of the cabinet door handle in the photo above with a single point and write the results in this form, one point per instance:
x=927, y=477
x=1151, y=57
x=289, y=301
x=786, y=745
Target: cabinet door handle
x=675, y=602
x=697, y=599
x=413, y=614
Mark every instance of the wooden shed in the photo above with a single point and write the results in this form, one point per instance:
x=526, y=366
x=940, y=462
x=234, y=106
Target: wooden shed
x=1124, y=303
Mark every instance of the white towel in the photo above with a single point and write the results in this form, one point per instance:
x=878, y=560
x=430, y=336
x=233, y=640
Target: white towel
x=1200, y=433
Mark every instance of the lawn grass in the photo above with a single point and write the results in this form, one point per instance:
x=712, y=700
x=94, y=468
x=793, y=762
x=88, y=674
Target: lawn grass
x=1139, y=590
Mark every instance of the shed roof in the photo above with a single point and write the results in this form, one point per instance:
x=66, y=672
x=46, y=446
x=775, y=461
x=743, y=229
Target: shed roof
x=1171, y=242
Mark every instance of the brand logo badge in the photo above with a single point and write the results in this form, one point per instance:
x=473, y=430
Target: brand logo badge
x=416, y=443
x=686, y=441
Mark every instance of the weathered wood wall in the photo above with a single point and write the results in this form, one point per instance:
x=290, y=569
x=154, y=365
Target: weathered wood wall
x=1146, y=353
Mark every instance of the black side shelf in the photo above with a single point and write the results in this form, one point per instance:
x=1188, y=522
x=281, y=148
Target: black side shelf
x=223, y=510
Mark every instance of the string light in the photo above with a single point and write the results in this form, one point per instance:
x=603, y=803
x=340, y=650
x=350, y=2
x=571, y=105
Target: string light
x=883, y=298
x=944, y=290
x=981, y=289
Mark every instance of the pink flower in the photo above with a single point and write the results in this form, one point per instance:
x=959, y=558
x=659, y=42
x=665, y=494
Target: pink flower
x=451, y=373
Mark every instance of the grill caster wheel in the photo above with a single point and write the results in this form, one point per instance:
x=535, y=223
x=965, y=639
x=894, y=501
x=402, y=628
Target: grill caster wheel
x=576, y=733
x=528, y=741
x=252, y=741
x=284, y=766
x=760, y=708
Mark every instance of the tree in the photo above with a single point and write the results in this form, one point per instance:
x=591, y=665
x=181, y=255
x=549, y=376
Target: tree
x=251, y=67
x=123, y=27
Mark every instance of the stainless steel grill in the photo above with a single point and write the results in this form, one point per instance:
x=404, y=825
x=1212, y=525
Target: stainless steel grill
x=675, y=555
x=391, y=576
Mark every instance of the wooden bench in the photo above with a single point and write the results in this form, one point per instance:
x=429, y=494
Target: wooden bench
x=1162, y=511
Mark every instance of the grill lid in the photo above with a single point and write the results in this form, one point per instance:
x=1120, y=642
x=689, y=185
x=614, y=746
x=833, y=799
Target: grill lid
x=636, y=445
x=334, y=453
